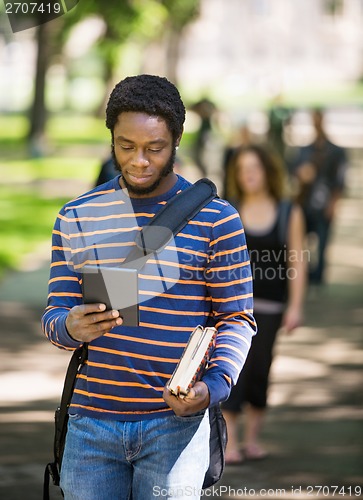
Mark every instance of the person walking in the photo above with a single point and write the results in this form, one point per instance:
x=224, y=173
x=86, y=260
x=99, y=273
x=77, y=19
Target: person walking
x=320, y=170
x=278, y=271
x=128, y=436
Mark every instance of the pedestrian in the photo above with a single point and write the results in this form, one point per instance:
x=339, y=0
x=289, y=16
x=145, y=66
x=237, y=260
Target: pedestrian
x=320, y=170
x=275, y=234
x=207, y=148
x=107, y=171
x=279, y=116
x=128, y=436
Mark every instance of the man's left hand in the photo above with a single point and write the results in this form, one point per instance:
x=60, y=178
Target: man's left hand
x=196, y=400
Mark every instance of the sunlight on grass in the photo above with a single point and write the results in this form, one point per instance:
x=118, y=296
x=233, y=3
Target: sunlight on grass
x=62, y=129
x=13, y=128
x=298, y=97
x=77, y=129
x=337, y=95
x=27, y=209
x=25, y=219
x=84, y=169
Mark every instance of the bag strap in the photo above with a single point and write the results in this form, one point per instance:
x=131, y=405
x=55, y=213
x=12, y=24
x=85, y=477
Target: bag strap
x=169, y=221
x=52, y=469
x=78, y=359
x=285, y=208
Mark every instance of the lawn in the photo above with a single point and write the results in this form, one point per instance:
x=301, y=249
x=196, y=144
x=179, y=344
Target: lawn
x=62, y=129
x=32, y=190
x=26, y=219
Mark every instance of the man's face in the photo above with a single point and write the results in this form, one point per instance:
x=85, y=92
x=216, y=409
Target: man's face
x=144, y=151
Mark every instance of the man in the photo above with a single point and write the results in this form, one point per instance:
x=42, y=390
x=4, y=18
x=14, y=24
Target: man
x=127, y=434
x=320, y=171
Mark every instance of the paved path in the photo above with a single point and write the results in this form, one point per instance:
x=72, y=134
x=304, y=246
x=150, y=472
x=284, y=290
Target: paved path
x=314, y=430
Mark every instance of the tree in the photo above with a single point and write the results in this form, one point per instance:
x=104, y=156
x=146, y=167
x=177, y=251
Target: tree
x=38, y=114
x=165, y=44
x=143, y=19
x=180, y=14
x=119, y=19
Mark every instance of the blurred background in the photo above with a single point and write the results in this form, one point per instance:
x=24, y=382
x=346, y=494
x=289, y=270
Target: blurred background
x=245, y=69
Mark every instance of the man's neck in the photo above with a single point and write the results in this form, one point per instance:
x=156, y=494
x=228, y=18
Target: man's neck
x=320, y=140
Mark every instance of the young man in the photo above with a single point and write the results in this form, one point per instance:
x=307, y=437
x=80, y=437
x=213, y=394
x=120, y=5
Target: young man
x=320, y=170
x=127, y=435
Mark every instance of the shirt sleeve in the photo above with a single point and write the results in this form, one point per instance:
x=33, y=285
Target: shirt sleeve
x=64, y=289
x=229, y=282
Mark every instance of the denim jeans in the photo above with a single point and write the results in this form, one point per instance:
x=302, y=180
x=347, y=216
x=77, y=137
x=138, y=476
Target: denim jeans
x=115, y=460
x=317, y=223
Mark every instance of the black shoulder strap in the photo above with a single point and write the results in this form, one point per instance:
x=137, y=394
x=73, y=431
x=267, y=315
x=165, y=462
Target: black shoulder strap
x=78, y=359
x=52, y=469
x=170, y=220
x=285, y=208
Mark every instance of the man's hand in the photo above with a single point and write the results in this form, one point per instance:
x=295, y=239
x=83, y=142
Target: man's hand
x=89, y=321
x=306, y=173
x=196, y=400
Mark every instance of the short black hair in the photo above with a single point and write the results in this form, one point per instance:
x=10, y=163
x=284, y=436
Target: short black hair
x=150, y=94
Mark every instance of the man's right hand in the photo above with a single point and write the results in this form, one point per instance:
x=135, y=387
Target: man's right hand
x=306, y=173
x=90, y=321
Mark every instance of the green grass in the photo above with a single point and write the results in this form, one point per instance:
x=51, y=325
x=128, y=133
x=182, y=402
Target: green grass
x=27, y=211
x=77, y=129
x=13, y=129
x=344, y=94
x=62, y=129
x=338, y=95
x=25, y=219
x=28, y=170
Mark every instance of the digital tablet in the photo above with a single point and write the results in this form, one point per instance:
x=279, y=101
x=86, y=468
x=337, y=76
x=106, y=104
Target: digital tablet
x=115, y=287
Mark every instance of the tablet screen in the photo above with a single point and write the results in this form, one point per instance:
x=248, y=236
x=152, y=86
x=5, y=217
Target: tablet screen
x=114, y=286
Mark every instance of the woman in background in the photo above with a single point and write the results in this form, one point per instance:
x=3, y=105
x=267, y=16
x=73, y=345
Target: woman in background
x=275, y=237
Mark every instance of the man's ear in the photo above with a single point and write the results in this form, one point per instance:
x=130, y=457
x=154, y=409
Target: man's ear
x=177, y=142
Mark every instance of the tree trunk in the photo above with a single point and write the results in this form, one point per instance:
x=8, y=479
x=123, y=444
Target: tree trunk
x=38, y=113
x=109, y=84
x=172, y=55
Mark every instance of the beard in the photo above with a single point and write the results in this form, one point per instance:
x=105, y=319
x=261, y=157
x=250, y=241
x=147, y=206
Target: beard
x=166, y=170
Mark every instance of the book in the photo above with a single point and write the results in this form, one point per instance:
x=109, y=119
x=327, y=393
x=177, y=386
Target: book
x=193, y=361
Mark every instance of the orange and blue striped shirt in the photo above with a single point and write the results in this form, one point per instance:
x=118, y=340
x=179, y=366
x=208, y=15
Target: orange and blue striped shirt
x=202, y=277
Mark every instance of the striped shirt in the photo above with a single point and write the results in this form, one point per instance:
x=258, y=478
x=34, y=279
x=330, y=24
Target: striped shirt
x=202, y=277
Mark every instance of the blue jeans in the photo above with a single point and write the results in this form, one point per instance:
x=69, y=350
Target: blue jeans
x=317, y=223
x=159, y=458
